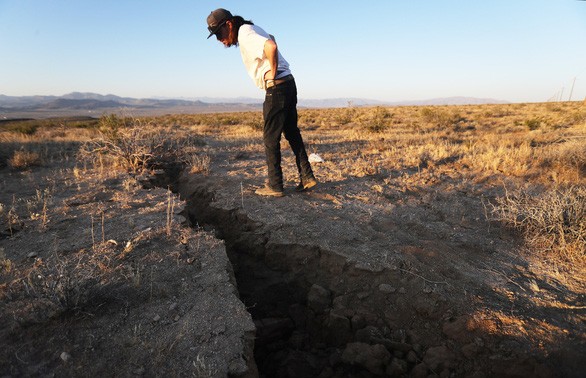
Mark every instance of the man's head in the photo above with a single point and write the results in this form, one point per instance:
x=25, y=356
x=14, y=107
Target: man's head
x=217, y=19
x=225, y=26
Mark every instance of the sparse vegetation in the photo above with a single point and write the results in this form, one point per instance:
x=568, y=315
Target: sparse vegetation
x=24, y=159
x=198, y=163
x=30, y=126
x=136, y=145
x=553, y=222
x=440, y=117
x=417, y=172
x=533, y=124
x=542, y=143
x=379, y=121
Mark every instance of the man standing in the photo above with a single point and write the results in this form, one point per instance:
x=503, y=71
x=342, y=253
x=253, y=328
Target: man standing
x=270, y=72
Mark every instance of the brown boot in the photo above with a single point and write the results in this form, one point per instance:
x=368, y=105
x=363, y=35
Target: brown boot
x=306, y=184
x=268, y=191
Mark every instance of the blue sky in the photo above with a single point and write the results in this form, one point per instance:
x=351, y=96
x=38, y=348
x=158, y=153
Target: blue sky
x=394, y=50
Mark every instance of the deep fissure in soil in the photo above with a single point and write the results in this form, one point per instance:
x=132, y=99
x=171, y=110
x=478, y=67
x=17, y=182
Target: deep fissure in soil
x=290, y=340
x=297, y=333
x=314, y=311
x=320, y=313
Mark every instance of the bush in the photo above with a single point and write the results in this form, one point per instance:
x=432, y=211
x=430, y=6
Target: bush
x=553, y=222
x=22, y=159
x=345, y=116
x=379, y=120
x=533, y=124
x=440, y=117
x=110, y=125
x=198, y=163
x=26, y=128
x=134, y=146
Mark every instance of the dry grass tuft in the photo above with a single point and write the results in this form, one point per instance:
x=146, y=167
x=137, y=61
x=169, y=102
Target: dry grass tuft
x=24, y=159
x=66, y=285
x=568, y=158
x=440, y=117
x=553, y=222
x=198, y=163
x=379, y=121
x=136, y=145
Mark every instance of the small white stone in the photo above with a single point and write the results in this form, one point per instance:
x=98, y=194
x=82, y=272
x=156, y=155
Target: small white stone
x=65, y=356
x=533, y=286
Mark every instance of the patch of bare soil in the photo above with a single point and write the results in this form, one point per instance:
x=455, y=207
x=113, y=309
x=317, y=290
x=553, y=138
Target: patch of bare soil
x=108, y=283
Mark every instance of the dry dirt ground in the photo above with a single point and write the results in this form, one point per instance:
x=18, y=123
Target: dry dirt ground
x=111, y=284
x=391, y=271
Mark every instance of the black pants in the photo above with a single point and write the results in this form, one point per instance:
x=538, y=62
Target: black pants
x=280, y=117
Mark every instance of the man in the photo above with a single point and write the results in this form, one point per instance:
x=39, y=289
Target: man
x=270, y=72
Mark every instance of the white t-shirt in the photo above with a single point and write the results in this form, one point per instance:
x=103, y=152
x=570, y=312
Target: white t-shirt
x=251, y=40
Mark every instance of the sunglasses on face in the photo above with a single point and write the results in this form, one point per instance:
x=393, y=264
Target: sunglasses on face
x=218, y=28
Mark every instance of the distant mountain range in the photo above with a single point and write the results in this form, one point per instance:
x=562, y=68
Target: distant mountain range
x=77, y=102
x=345, y=102
x=352, y=101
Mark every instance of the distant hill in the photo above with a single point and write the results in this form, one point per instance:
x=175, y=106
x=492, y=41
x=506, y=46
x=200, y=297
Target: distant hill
x=24, y=101
x=453, y=101
x=345, y=102
x=77, y=102
x=353, y=101
x=88, y=104
x=88, y=101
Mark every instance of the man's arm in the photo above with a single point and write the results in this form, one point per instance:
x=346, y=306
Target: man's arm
x=270, y=50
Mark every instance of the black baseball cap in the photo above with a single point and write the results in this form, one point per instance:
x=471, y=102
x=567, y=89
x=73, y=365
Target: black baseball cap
x=217, y=19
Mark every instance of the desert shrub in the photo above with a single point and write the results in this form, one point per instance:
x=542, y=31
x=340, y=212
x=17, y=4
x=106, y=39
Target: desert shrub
x=11, y=218
x=22, y=159
x=308, y=117
x=345, y=116
x=124, y=149
x=379, y=120
x=577, y=117
x=198, y=163
x=568, y=156
x=553, y=222
x=136, y=146
x=533, y=123
x=440, y=117
x=111, y=124
x=22, y=127
x=84, y=124
x=255, y=122
x=65, y=286
x=225, y=120
x=32, y=127
x=256, y=125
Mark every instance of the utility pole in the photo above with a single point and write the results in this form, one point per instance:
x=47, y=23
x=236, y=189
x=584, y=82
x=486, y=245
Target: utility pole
x=572, y=90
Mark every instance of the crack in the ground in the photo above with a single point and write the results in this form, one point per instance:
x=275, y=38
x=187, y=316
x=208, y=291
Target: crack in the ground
x=319, y=314
x=316, y=314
